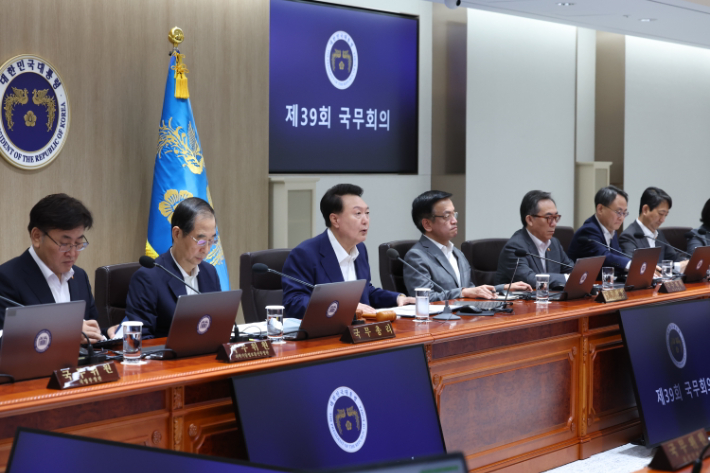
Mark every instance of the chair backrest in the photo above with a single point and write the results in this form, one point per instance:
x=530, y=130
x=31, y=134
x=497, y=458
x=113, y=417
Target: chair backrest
x=111, y=291
x=260, y=290
x=391, y=271
x=564, y=234
x=483, y=256
x=676, y=236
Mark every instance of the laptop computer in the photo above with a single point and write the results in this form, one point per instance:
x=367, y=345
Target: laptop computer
x=643, y=266
x=330, y=310
x=698, y=265
x=201, y=324
x=39, y=339
x=581, y=279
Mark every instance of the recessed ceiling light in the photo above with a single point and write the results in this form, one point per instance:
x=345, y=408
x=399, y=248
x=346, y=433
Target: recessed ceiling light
x=646, y=20
x=565, y=4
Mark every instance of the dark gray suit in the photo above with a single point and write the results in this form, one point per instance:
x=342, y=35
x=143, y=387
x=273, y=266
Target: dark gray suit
x=629, y=243
x=698, y=240
x=530, y=266
x=427, y=258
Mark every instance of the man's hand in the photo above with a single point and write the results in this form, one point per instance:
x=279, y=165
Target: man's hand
x=112, y=330
x=683, y=265
x=480, y=292
x=404, y=300
x=518, y=286
x=364, y=309
x=92, y=330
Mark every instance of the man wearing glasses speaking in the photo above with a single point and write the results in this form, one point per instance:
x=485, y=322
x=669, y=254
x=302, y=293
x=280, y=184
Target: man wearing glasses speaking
x=152, y=293
x=539, y=216
x=45, y=273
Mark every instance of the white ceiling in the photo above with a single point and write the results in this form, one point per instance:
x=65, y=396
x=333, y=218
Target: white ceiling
x=681, y=21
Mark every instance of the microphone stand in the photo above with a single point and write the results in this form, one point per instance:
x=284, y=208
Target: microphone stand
x=504, y=308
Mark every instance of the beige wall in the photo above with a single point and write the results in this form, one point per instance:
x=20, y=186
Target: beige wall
x=113, y=57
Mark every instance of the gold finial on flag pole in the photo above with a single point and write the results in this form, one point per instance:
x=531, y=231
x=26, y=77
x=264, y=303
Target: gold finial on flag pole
x=176, y=36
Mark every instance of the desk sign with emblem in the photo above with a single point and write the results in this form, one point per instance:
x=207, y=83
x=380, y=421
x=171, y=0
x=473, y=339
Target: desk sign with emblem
x=612, y=295
x=679, y=452
x=676, y=285
x=368, y=332
x=67, y=378
x=233, y=352
x=34, y=120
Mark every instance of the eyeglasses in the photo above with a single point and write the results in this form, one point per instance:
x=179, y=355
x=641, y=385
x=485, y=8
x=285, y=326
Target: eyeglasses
x=202, y=243
x=549, y=218
x=619, y=212
x=447, y=216
x=66, y=247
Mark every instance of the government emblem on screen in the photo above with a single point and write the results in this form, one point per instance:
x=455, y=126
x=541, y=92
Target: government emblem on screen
x=347, y=420
x=341, y=60
x=675, y=342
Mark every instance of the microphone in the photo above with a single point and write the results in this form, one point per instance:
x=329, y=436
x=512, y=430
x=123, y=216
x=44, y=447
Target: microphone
x=11, y=301
x=261, y=268
x=446, y=314
x=521, y=253
x=584, y=239
x=148, y=262
x=640, y=235
x=507, y=293
x=698, y=462
x=700, y=232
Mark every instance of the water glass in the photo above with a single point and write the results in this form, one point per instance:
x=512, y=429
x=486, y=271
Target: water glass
x=542, y=288
x=275, y=324
x=421, y=309
x=607, y=277
x=667, y=269
x=132, y=342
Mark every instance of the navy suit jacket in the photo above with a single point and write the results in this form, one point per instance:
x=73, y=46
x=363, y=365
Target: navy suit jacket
x=22, y=281
x=629, y=243
x=153, y=294
x=592, y=230
x=314, y=262
x=698, y=239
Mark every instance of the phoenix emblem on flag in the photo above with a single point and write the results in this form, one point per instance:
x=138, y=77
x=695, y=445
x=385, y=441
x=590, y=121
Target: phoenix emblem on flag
x=183, y=145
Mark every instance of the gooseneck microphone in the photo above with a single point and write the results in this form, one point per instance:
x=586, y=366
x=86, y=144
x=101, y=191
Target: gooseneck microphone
x=505, y=309
x=148, y=262
x=521, y=253
x=11, y=301
x=446, y=314
x=640, y=235
x=261, y=268
x=699, y=232
x=584, y=239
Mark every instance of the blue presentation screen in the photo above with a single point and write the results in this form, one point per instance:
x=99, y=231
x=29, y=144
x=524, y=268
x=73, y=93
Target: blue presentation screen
x=669, y=353
x=342, y=90
x=37, y=451
x=351, y=410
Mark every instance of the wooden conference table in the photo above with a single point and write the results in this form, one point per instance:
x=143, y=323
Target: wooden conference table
x=533, y=390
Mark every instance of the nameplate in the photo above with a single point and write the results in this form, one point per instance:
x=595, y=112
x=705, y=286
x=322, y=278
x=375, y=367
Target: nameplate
x=368, y=332
x=612, y=295
x=233, y=352
x=676, y=285
x=68, y=378
x=679, y=452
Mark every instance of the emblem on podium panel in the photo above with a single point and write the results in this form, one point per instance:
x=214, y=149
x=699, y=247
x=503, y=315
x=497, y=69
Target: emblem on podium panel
x=341, y=60
x=347, y=420
x=675, y=342
x=34, y=120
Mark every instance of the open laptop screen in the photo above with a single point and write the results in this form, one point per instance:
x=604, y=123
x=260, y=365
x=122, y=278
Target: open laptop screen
x=352, y=410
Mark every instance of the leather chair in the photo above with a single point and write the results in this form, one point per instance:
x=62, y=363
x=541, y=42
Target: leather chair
x=564, y=234
x=260, y=290
x=676, y=236
x=483, y=256
x=391, y=271
x=111, y=290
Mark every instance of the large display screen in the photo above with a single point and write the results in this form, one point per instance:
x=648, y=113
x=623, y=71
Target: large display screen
x=669, y=359
x=38, y=451
x=342, y=90
x=348, y=411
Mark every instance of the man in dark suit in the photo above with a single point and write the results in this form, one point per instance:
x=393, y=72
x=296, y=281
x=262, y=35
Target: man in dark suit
x=643, y=232
x=538, y=213
x=152, y=293
x=698, y=239
x=611, y=209
x=45, y=273
x=338, y=254
x=436, y=256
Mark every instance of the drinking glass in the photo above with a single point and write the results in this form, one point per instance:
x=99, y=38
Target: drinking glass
x=667, y=269
x=132, y=342
x=607, y=277
x=542, y=288
x=275, y=324
x=421, y=310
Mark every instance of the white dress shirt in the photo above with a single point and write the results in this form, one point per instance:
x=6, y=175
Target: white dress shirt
x=191, y=278
x=59, y=288
x=650, y=236
x=541, y=248
x=448, y=251
x=345, y=260
x=608, y=236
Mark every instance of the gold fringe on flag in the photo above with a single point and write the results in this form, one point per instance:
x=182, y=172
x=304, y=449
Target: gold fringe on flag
x=181, y=91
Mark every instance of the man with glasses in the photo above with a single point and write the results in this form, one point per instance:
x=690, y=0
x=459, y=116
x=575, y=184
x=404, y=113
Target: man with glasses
x=336, y=255
x=653, y=210
x=611, y=210
x=45, y=273
x=152, y=293
x=538, y=213
x=435, y=255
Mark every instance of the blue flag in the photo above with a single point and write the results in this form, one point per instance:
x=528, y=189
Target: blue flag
x=179, y=172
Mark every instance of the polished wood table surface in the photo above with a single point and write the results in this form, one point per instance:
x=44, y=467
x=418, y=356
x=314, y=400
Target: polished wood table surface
x=532, y=390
